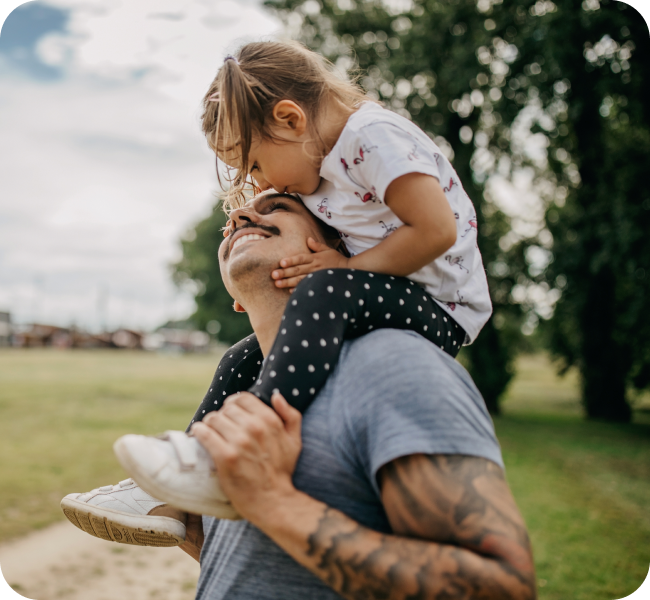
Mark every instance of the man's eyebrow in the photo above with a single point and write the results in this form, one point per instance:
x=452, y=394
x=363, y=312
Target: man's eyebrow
x=281, y=195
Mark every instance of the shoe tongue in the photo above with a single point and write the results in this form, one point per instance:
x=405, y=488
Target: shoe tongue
x=125, y=482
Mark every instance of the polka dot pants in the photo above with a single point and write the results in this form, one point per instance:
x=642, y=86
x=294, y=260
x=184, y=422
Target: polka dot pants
x=336, y=304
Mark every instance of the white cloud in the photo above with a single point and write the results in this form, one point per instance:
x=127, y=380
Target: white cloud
x=104, y=169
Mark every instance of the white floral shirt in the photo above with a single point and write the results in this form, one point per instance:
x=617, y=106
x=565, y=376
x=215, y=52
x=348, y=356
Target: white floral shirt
x=376, y=147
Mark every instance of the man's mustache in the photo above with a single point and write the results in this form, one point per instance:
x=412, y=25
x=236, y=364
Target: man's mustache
x=268, y=228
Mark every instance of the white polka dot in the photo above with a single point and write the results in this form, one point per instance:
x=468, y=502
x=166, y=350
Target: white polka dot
x=299, y=322
x=283, y=317
x=353, y=320
x=276, y=391
x=350, y=277
x=259, y=362
x=444, y=319
x=231, y=370
x=345, y=315
x=370, y=275
x=211, y=388
x=449, y=333
x=370, y=327
x=295, y=391
x=203, y=412
x=294, y=302
x=231, y=356
x=424, y=298
x=272, y=357
x=330, y=272
x=224, y=393
x=336, y=340
x=401, y=302
x=312, y=390
x=316, y=316
x=238, y=374
x=330, y=289
x=420, y=308
x=426, y=327
x=408, y=321
x=311, y=368
x=217, y=401
x=411, y=282
x=220, y=378
x=360, y=302
x=304, y=343
x=310, y=293
x=327, y=366
x=253, y=377
x=285, y=349
x=454, y=342
x=291, y=369
x=380, y=298
x=366, y=314
x=392, y=277
x=347, y=294
x=365, y=285
x=310, y=276
x=323, y=342
x=284, y=331
x=245, y=351
x=388, y=286
x=388, y=315
x=332, y=315
x=438, y=333
x=433, y=316
x=258, y=382
x=408, y=291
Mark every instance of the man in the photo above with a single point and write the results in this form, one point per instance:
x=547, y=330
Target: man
x=390, y=486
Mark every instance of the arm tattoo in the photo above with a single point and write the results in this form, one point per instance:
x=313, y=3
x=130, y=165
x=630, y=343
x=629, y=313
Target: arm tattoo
x=457, y=534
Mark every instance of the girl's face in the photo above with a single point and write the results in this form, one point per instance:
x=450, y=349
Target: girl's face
x=283, y=165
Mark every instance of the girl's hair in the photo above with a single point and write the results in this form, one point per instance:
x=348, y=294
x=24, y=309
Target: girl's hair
x=240, y=101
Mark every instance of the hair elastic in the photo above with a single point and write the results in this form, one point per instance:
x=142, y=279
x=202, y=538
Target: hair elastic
x=231, y=57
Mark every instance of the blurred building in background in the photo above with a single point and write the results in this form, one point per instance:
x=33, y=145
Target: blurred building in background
x=5, y=329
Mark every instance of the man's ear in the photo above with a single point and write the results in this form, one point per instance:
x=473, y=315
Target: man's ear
x=238, y=307
x=288, y=115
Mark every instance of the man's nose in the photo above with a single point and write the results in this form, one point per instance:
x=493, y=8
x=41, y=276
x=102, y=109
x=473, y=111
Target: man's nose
x=241, y=215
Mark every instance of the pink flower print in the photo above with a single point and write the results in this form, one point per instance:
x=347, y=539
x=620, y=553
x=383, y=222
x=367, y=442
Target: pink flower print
x=370, y=196
x=456, y=216
x=322, y=208
x=388, y=229
x=472, y=224
x=451, y=305
x=461, y=300
x=456, y=261
x=437, y=157
x=345, y=165
x=452, y=183
x=413, y=154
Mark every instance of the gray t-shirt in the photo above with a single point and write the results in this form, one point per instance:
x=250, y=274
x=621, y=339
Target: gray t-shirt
x=392, y=394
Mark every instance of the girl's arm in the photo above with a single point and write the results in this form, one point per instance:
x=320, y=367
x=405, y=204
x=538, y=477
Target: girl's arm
x=429, y=230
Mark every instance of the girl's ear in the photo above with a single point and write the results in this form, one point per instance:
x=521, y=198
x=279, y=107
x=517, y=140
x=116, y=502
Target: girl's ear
x=238, y=307
x=288, y=115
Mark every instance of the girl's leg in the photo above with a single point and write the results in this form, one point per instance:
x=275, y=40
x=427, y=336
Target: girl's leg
x=239, y=367
x=336, y=304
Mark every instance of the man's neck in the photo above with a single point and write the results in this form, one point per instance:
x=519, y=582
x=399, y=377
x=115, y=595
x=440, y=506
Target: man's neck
x=265, y=314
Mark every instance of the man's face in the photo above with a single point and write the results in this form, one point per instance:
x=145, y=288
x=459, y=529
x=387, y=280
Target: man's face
x=268, y=228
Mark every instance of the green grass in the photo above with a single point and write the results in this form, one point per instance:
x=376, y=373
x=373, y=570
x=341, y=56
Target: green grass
x=583, y=487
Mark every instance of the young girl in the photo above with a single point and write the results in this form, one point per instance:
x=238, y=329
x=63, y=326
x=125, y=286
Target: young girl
x=277, y=114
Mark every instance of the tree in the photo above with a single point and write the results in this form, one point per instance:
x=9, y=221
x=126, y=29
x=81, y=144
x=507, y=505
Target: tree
x=199, y=266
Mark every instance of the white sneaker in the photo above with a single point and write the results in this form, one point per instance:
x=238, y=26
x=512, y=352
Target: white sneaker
x=177, y=469
x=123, y=513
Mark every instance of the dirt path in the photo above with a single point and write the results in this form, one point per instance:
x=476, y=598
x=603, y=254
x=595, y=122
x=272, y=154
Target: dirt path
x=63, y=563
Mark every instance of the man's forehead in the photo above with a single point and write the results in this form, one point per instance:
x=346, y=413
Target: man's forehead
x=270, y=195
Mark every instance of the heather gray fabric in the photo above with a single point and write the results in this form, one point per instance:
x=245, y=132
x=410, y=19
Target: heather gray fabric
x=392, y=394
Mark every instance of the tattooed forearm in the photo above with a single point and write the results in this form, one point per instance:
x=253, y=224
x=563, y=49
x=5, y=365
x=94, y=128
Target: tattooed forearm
x=472, y=542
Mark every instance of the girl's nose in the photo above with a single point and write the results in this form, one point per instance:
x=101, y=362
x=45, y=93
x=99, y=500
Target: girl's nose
x=262, y=183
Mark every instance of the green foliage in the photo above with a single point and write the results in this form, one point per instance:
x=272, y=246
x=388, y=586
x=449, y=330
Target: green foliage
x=199, y=266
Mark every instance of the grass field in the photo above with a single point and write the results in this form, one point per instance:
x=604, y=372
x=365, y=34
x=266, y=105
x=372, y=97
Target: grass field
x=584, y=487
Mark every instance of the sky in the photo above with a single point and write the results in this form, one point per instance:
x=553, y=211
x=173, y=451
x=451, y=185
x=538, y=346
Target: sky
x=104, y=166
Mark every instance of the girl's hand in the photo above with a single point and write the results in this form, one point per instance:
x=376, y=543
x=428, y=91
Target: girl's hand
x=296, y=268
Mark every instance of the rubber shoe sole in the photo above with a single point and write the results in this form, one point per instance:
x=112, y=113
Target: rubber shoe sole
x=114, y=526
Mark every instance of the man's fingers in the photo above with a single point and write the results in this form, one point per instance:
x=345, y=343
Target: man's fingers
x=291, y=417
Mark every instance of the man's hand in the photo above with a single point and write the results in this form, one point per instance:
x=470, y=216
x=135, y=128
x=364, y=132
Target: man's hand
x=296, y=268
x=255, y=450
